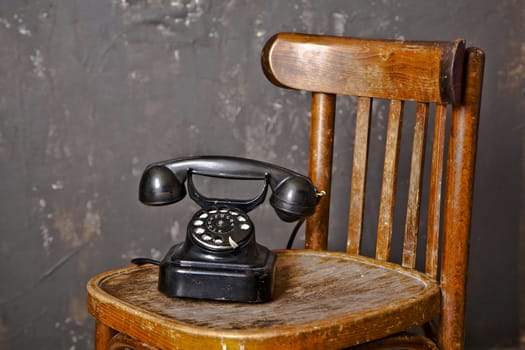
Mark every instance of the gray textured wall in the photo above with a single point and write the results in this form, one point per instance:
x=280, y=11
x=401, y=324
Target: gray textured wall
x=92, y=91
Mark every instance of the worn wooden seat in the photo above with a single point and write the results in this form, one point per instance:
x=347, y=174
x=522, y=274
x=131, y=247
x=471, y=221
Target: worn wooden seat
x=317, y=294
x=329, y=300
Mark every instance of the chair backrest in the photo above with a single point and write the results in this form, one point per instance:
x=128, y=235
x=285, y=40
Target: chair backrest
x=430, y=73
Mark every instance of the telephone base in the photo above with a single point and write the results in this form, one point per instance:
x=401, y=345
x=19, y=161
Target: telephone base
x=225, y=281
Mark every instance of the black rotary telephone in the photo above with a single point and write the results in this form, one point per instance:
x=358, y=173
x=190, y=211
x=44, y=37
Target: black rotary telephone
x=220, y=259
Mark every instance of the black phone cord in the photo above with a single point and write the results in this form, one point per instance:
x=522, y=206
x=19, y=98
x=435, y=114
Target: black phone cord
x=294, y=233
x=143, y=261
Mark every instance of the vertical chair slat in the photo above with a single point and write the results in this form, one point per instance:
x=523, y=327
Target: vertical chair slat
x=320, y=166
x=357, y=191
x=388, y=189
x=434, y=202
x=414, y=189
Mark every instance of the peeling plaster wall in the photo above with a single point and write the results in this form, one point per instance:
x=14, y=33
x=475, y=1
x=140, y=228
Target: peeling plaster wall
x=92, y=91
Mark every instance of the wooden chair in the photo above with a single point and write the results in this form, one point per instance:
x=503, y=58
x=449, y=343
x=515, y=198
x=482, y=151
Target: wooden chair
x=331, y=300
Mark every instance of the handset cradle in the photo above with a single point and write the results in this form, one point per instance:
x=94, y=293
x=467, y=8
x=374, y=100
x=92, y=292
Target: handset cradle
x=220, y=258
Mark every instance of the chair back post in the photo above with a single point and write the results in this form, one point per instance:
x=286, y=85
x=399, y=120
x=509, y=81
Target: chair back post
x=458, y=203
x=320, y=167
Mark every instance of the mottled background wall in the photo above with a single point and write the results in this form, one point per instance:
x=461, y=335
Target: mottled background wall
x=92, y=91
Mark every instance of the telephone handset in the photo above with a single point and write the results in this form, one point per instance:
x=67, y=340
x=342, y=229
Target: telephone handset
x=220, y=259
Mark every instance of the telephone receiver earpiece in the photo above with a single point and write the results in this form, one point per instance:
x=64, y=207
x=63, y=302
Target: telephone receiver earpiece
x=160, y=186
x=293, y=195
x=294, y=199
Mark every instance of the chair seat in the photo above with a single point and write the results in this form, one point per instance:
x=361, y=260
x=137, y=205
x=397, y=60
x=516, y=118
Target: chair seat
x=321, y=300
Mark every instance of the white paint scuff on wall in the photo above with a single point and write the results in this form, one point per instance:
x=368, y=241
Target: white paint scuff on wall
x=38, y=64
x=339, y=19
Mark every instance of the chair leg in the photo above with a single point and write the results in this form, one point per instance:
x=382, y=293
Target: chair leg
x=103, y=335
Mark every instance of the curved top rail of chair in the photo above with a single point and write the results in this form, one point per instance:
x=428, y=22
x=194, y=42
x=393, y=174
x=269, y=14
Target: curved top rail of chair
x=323, y=298
x=392, y=69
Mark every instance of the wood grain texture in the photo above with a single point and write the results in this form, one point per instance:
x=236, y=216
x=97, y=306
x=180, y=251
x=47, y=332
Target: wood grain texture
x=320, y=167
x=458, y=203
x=402, y=71
x=103, y=335
x=388, y=187
x=417, y=71
x=322, y=300
x=434, y=201
x=414, y=186
x=359, y=166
